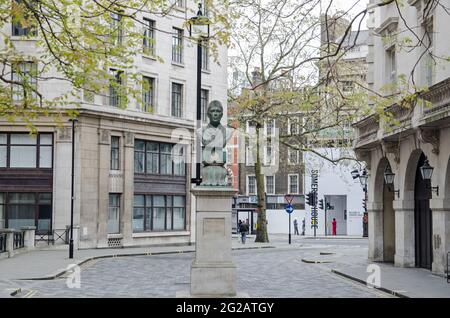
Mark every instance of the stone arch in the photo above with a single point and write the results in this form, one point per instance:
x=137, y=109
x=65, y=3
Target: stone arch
x=410, y=175
x=384, y=217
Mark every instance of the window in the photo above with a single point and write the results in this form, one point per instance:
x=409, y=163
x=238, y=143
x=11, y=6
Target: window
x=17, y=28
x=25, y=151
x=205, y=8
x=115, y=88
x=391, y=65
x=293, y=126
x=270, y=127
x=270, y=184
x=158, y=213
x=177, y=99
x=115, y=153
x=250, y=161
x=268, y=154
x=204, y=101
x=205, y=56
x=251, y=185
x=114, y=214
x=159, y=158
x=148, y=93
x=149, y=37
x=177, y=45
x=27, y=209
x=293, y=183
x=347, y=86
x=293, y=156
x=3, y=150
x=116, y=28
x=179, y=3
x=25, y=75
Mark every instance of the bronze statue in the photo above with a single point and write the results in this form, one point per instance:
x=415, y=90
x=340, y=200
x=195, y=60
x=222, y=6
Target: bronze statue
x=214, y=139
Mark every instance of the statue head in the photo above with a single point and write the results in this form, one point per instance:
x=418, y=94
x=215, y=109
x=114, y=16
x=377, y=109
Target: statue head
x=215, y=113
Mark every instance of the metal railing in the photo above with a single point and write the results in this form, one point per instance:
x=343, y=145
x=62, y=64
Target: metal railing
x=448, y=267
x=52, y=236
x=2, y=242
x=19, y=239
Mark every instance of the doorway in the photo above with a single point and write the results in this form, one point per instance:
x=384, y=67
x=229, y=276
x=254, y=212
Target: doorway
x=422, y=220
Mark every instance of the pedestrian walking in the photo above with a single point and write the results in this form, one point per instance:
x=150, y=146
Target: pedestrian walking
x=303, y=227
x=334, y=225
x=243, y=229
x=239, y=226
x=296, y=227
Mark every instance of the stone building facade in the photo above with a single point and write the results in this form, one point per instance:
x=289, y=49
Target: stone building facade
x=129, y=189
x=409, y=222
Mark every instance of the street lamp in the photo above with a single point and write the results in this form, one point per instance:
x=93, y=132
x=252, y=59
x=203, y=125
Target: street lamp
x=363, y=180
x=74, y=121
x=427, y=172
x=389, y=177
x=199, y=29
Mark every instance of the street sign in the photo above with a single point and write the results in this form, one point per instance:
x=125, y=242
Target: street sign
x=289, y=208
x=289, y=198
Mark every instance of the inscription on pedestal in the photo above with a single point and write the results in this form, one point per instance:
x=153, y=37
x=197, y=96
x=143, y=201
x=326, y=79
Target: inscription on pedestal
x=214, y=227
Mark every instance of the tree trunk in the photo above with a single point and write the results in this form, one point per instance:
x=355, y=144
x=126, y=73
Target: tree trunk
x=261, y=233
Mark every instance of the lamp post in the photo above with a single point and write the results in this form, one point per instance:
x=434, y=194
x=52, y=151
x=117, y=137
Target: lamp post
x=73, y=120
x=363, y=180
x=199, y=28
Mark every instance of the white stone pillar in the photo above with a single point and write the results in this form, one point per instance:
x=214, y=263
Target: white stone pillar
x=213, y=272
x=29, y=236
x=126, y=219
x=404, y=234
x=103, y=187
x=375, y=212
x=441, y=234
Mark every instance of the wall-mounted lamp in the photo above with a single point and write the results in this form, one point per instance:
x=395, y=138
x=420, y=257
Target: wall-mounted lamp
x=362, y=178
x=427, y=172
x=389, y=177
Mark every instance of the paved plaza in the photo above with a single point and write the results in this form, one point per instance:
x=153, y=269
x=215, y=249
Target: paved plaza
x=316, y=268
x=269, y=272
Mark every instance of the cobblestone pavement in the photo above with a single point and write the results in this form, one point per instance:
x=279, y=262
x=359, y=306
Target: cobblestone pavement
x=261, y=273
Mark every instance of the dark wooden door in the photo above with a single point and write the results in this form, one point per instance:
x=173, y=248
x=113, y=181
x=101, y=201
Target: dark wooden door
x=422, y=220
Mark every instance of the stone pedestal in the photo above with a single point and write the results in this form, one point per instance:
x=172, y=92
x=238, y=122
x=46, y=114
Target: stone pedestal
x=213, y=273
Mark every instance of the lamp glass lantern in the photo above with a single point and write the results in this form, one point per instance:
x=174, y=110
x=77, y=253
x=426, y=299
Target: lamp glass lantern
x=363, y=178
x=389, y=176
x=199, y=25
x=427, y=171
x=355, y=174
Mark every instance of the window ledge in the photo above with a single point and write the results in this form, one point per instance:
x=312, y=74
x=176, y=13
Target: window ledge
x=149, y=57
x=177, y=64
x=159, y=234
x=118, y=236
x=206, y=71
x=22, y=38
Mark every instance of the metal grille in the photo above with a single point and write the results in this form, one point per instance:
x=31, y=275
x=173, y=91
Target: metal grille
x=2, y=242
x=19, y=240
x=114, y=242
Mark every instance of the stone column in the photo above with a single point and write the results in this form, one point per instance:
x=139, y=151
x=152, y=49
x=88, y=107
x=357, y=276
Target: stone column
x=404, y=234
x=103, y=186
x=126, y=219
x=375, y=212
x=29, y=236
x=441, y=234
x=213, y=272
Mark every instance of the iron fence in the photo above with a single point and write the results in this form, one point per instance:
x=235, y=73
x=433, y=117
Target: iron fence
x=18, y=239
x=52, y=236
x=448, y=267
x=2, y=242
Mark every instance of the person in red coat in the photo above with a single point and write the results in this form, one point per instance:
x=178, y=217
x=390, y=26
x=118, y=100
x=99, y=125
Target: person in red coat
x=334, y=223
